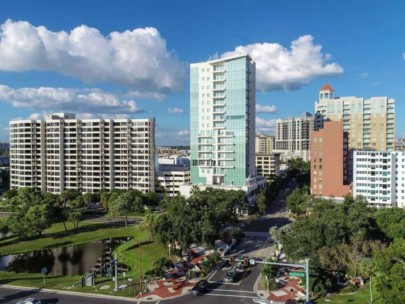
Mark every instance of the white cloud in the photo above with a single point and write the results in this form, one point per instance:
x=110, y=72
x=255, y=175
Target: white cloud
x=69, y=100
x=175, y=110
x=183, y=133
x=279, y=68
x=146, y=95
x=265, y=125
x=137, y=58
x=364, y=75
x=403, y=56
x=35, y=116
x=266, y=109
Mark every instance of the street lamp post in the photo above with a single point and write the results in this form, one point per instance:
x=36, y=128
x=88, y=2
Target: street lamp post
x=291, y=295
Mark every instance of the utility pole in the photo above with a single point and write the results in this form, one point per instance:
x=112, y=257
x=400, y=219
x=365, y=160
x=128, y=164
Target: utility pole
x=116, y=273
x=140, y=266
x=307, y=281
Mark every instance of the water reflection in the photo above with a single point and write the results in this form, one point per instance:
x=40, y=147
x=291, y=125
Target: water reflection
x=73, y=260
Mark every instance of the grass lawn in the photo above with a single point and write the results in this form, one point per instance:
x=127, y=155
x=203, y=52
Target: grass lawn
x=56, y=236
x=360, y=297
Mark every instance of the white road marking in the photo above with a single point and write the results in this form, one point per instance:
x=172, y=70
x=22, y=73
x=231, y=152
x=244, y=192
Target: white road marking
x=229, y=296
x=227, y=290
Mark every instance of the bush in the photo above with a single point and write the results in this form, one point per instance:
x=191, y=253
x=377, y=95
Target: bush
x=206, y=265
x=215, y=257
x=237, y=234
x=349, y=288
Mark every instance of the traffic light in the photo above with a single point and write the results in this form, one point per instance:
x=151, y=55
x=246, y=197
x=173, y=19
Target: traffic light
x=231, y=260
x=246, y=261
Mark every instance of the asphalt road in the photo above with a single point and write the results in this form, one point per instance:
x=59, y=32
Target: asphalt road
x=12, y=296
x=257, y=244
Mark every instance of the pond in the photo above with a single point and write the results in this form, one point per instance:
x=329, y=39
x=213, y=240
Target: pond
x=72, y=260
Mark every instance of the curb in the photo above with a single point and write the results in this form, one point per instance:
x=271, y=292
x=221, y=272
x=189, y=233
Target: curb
x=70, y=293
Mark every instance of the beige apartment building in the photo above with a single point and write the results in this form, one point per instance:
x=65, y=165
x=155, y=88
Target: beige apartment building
x=264, y=143
x=62, y=152
x=370, y=123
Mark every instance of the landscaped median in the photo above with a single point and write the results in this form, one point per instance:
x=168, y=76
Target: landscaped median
x=88, y=232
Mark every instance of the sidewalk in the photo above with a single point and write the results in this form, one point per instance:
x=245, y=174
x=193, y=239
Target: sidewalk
x=176, y=285
x=292, y=290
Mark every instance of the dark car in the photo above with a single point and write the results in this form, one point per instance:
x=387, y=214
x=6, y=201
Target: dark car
x=230, y=275
x=200, y=288
x=29, y=301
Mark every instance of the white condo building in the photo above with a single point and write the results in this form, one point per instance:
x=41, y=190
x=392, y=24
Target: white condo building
x=379, y=176
x=62, y=152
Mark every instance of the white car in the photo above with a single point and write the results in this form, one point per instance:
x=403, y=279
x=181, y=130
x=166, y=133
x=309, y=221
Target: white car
x=29, y=301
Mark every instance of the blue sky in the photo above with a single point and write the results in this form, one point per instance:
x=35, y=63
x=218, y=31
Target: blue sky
x=114, y=58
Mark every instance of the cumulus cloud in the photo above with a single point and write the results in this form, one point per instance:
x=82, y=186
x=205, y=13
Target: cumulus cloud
x=176, y=110
x=137, y=58
x=266, y=109
x=70, y=100
x=146, y=95
x=280, y=68
x=265, y=125
x=183, y=133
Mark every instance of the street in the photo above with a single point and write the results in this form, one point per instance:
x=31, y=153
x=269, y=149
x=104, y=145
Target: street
x=257, y=244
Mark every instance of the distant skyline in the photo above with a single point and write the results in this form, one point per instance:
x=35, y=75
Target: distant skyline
x=131, y=58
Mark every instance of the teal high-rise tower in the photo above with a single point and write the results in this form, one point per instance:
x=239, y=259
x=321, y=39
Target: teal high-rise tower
x=222, y=108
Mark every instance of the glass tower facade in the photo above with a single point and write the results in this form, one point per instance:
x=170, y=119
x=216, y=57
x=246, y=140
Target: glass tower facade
x=222, y=108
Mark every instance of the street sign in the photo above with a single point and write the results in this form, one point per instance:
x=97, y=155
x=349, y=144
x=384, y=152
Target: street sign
x=296, y=274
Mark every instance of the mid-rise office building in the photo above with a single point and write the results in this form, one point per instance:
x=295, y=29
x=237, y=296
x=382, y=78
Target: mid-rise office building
x=292, y=136
x=264, y=143
x=330, y=161
x=222, y=108
x=267, y=164
x=61, y=152
x=379, y=176
x=370, y=123
x=169, y=178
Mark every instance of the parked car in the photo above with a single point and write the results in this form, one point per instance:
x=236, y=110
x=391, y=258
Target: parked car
x=230, y=275
x=200, y=288
x=29, y=301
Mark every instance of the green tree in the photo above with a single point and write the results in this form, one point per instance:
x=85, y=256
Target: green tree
x=261, y=202
x=88, y=198
x=297, y=201
x=391, y=221
x=121, y=206
x=75, y=216
x=148, y=223
x=390, y=272
x=104, y=199
x=269, y=272
x=17, y=225
x=38, y=218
